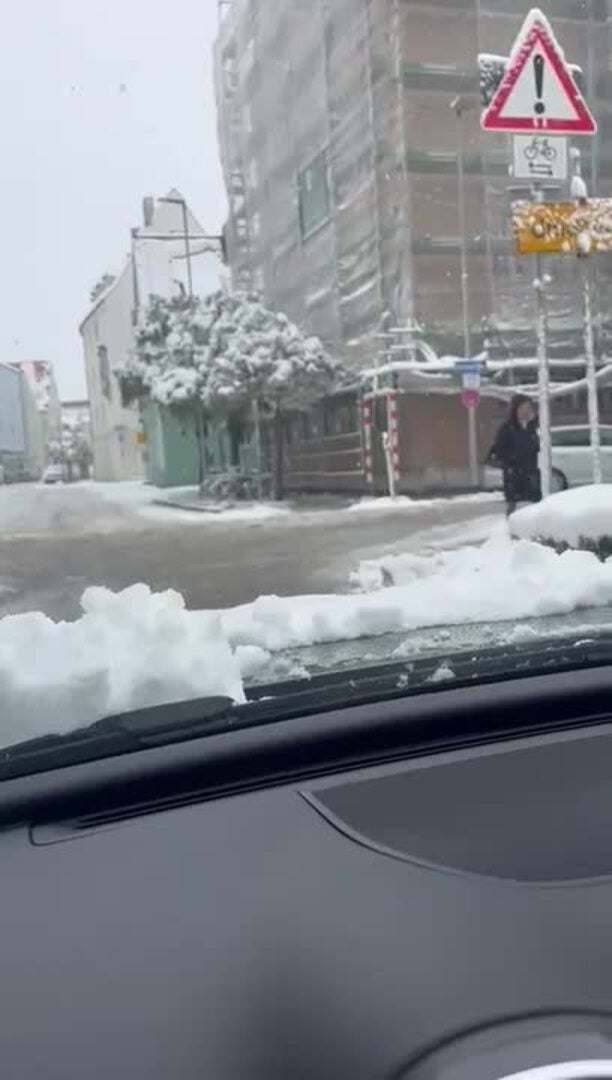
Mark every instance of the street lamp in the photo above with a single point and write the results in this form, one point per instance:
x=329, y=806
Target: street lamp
x=460, y=106
x=178, y=200
x=212, y=243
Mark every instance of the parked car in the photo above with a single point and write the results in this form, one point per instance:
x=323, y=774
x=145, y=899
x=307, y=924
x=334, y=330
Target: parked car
x=53, y=474
x=571, y=455
x=571, y=458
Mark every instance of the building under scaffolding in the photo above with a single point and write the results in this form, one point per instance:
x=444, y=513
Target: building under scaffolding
x=359, y=183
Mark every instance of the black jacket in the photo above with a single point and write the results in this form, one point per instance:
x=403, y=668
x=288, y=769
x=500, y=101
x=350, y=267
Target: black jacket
x=515, y=451
x=516, y=447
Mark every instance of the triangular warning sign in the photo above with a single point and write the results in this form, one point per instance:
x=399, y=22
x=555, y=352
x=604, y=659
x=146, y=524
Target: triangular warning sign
x=537, y=91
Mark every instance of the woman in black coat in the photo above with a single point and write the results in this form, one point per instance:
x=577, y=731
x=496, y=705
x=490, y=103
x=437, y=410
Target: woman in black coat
x=515, y=451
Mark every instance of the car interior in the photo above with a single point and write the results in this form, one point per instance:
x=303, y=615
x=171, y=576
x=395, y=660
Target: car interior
x=415, y=887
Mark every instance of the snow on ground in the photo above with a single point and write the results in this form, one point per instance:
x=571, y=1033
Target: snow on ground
x=427, y=548
x=134, y=648
x=222, y=515
x=384, y=503
x=145, y=500
x=583, y=513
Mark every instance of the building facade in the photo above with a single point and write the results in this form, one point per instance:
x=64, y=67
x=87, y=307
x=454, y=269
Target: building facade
x=122, y=447
x=107, y=335
x=357, y=174
x=29, y=418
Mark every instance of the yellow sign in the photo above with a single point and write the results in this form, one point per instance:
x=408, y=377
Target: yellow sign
x=140, y=438
x=570, y=228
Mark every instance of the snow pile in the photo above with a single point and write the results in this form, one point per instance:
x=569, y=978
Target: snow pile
x=500, y=581
x=128, y=650
x=570, y=517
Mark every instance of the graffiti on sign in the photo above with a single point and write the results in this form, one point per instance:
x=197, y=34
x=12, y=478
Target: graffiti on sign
x=562, y=228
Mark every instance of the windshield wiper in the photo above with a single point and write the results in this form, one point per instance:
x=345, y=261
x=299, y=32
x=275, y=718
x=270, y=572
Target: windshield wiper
x=119, y=734
x=177, y=722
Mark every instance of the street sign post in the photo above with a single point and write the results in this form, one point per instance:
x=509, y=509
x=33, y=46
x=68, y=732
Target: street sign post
x=539, y=157
x=470, y=398
x=537, y=99
x=538, y=93
x=469, y=370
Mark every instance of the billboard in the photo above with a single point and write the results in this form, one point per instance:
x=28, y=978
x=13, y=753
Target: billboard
x=12, y=431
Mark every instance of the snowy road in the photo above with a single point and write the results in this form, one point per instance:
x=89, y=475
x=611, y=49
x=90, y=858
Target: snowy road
x=55, y=541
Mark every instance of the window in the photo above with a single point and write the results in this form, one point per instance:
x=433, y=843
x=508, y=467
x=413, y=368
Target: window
x=104, y=371
x=380, y=413
x=313, y=195
x=570, y=437
x=580, y=436
x=341, y=417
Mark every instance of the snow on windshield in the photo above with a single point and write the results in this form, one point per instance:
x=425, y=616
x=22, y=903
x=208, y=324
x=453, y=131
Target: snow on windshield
x=138, y=648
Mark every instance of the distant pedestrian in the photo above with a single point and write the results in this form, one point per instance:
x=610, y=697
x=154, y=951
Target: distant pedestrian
x=515, y=451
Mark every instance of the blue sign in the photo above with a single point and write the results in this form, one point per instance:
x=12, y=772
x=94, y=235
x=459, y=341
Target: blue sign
x=468, y=367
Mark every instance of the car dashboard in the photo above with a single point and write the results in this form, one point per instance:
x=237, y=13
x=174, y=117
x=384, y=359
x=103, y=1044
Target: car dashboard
x=415, y=890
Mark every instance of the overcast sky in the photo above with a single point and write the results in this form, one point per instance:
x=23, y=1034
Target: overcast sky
x=101, y=102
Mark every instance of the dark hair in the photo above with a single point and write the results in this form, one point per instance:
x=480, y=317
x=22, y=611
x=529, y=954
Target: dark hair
x=515, y=404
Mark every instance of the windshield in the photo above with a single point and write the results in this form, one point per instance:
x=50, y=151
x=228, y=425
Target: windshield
x=305, y=347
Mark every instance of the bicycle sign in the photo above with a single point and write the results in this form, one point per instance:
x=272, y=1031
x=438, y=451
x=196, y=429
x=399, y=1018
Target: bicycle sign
x=540, y=157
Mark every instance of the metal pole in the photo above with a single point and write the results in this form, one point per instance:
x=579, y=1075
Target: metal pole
x=187, y=248
x=465, y=312
x=257, y=429
x=591, y=375
x=543, y=382
x=135, y=282
x=389, y=463
x=543, y=370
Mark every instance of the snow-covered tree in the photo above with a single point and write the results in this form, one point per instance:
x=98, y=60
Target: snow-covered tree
x=218, y=355
x=259, y=355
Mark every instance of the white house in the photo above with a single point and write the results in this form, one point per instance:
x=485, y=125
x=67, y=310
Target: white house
x=107, y=334
x=161, y=262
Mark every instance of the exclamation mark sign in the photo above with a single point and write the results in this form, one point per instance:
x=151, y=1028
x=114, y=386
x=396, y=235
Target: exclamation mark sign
x=538, y=70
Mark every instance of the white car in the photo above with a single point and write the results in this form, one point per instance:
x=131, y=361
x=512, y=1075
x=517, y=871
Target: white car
x=53, y=474
x=571, y=458
x=571, y=455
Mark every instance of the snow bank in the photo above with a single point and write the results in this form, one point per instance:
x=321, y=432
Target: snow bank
x=406, y=502
x=128, y=650
x=569, y=517
x=500, y=581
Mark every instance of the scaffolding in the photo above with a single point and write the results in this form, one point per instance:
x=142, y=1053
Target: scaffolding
x=342, y=159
